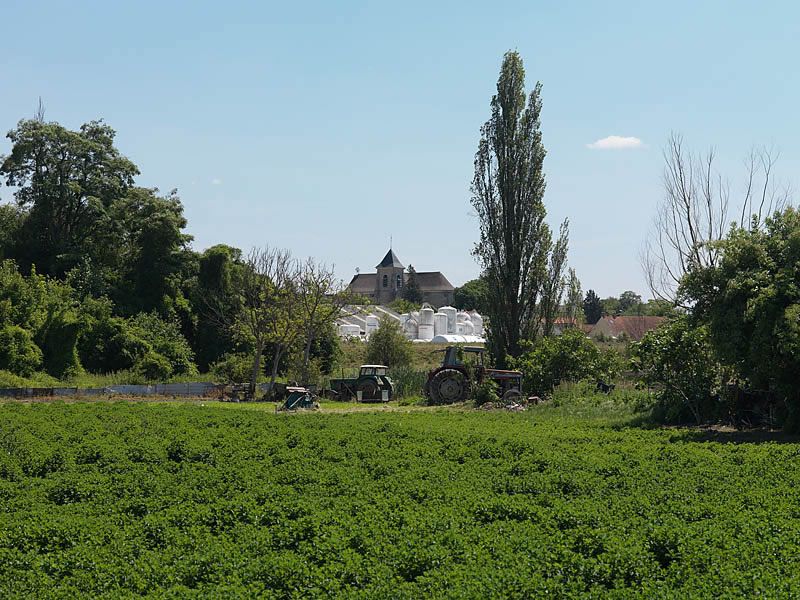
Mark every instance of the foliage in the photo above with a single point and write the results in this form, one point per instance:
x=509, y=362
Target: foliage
x=568, y=357
x=411, y=290
x=150, y=248
x=68, y=181
x=573, y=307
x=407, y=381
x=485, y=392
x=388, y=346
x=514, y=249
x=473, y=295
x=18, y=352
x=554, y=283
x=592, y=307
x=121, y=500
x=233, y=368
x=214, y=300
x=750, y=301
x=401, y=305
x=165, y=339
x=677, y=360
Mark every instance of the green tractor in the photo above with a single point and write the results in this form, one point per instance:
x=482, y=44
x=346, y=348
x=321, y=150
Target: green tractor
x=463, y=368
x=371, y=385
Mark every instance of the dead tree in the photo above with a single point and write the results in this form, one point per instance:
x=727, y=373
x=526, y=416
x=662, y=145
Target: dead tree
x=321, y=298
x=696, y=212
x=263, y=309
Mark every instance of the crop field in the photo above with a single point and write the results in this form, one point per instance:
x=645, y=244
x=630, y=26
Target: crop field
x=122, y=499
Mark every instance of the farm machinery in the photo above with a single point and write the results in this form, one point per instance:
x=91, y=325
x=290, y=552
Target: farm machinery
x=461, y=369
x=372, y=384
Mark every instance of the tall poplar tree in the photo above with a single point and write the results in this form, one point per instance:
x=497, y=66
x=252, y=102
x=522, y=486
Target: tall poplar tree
x=507, y=194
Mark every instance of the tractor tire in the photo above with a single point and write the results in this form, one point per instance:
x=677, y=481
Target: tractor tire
x=448, y=386
x=512, y=396
x=368, y=389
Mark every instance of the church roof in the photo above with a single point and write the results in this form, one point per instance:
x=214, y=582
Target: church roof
x=434, y=281
x=363, y=283
x=390, y=260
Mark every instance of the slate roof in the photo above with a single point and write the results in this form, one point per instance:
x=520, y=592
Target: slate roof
x=390, y=260
x=363, y=283
x=433, y=281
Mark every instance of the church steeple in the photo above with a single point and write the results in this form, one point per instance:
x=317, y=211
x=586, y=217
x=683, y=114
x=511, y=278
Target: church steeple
x=390, y=260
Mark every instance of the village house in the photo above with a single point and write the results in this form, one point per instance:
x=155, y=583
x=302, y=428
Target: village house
x=631, y=328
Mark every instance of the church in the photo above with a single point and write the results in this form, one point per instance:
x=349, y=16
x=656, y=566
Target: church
x=387, y=284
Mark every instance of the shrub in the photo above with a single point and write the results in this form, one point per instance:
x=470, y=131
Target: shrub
x=388, y=346
x=486, y=391
x=233, y=368
x=407, y=381
x=568, y=357
x=677, y=360
x=165, y=338
x=154, y=367
x=18, y=352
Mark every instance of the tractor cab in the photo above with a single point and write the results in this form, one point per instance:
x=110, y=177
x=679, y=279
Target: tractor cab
x=376, y=370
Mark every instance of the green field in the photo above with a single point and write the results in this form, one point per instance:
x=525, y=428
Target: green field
x=201, y=499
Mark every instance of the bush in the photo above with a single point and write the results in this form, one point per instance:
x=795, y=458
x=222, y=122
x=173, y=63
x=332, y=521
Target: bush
x=165, y=338
x=108, y=345
x=568, y=357
x=18, y=352
x=233, y=368
x=407, y=381
x=485, y=392
x=388, y=346
x=678, y=362
x=154, y=367
x=59, y=342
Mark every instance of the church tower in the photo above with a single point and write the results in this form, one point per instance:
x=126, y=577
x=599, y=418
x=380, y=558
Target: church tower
x=390, y=278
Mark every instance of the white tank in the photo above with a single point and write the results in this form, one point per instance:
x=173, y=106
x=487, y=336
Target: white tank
x=440, y=323
x=410, y=328
x=425, y=332
x=465, y=328
x=451, y=318
x=348, y=331
x=426, y=315
x=372, y=324
x=477, y=322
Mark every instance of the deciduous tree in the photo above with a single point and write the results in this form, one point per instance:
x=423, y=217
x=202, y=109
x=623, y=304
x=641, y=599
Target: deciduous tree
x=507, y=195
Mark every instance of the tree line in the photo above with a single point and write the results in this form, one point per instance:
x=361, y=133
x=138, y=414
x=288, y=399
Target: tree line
x=98, y=275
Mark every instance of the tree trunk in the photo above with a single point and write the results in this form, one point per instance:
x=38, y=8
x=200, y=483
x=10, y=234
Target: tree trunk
x=307, y=357
x=276, y=361
x=256, y=369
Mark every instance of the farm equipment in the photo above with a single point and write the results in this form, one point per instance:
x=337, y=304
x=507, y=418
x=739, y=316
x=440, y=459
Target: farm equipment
x=453, y=381
x=372, y=384
x=298, y=398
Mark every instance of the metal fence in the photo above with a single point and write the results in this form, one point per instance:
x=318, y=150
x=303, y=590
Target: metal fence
x=184, y=390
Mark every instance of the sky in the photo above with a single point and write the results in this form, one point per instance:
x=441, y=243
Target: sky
x=330, y=127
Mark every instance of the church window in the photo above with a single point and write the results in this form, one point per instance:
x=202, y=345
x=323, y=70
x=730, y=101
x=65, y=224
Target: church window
x=385, y=281
x=399, y=281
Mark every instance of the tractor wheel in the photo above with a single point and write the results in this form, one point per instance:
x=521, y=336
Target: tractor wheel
x=368, y=389
x=512, y=396
x=448, y=386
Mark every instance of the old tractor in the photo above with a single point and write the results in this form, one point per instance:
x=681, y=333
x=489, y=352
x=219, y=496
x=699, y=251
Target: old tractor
x=463, y=368
x=298, y=398
x=371, y=385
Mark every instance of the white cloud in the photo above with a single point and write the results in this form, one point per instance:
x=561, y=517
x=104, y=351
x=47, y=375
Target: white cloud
x=216, y=181
x=616, y=142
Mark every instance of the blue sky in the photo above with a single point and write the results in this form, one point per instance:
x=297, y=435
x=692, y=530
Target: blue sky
x=327, y=127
